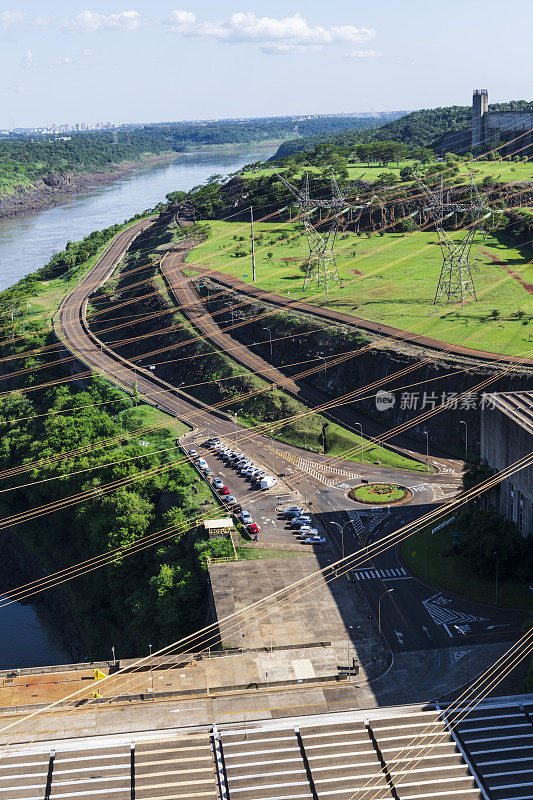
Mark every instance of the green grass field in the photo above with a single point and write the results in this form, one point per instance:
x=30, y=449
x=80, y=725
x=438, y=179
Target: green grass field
x=502, y=171
x=390, y=279
x=454, y=572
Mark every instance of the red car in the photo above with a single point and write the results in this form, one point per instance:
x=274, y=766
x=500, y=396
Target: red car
x=253, y=529
x=225, y=490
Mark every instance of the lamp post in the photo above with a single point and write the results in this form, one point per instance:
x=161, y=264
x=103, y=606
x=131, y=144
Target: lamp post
x=426, y=434
x=460, y=630
x=462, y=422
x=270, y=336
x=178, y=396
x=341, y=528
x=235, y=421
x=350, y=628
x=387, y=591
x=495, y=553
x=324, y=360
x=361, y=432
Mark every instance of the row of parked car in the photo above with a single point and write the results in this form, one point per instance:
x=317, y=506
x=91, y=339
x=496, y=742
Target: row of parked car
x=242, y=464
x=301, y=526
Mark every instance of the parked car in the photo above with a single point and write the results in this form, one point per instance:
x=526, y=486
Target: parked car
x=244, y=468
x=245, y=517
x=207, y=471
x=315, y=540
x=306, y=530
x=299, y=521
x=231, y=499
x=217, y=483
x=292, y=512
x=248, y=472
x=192, y=452
x=202, y=463
x=267, y=482
x=225, y=491
x=253, y=529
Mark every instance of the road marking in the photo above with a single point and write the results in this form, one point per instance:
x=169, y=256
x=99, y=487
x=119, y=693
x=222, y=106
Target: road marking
x=441, y=614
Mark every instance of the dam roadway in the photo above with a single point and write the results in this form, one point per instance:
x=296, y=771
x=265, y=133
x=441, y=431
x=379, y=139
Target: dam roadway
x=413, y=630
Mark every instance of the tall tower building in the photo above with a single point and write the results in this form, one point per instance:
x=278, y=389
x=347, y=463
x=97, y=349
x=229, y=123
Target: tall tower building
x=480, y=107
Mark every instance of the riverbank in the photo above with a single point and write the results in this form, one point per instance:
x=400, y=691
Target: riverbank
x=55, y=190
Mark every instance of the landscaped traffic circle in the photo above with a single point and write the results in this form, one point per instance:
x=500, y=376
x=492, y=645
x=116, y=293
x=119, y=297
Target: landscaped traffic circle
x=375, y=494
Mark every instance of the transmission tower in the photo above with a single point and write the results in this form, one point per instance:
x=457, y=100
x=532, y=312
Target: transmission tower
x=455, y=281
x=321, y=265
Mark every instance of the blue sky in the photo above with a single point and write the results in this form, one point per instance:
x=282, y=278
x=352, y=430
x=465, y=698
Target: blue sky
x=140, y=61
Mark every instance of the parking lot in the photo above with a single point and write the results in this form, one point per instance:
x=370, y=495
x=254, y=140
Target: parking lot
x=263, y=505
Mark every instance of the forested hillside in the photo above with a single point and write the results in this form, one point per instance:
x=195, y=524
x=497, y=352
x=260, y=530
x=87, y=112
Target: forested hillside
x=418, y=129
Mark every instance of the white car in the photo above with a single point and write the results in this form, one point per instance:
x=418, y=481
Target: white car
x=207, y=471
x=315, y=540
x=245, y=517
x=202, y=463
x=230, y=498
x=193, y=453
x=218, y=446
x=248, y=472
x=217, y=483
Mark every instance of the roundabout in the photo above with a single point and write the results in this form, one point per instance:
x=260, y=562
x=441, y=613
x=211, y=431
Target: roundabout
x=374, y=494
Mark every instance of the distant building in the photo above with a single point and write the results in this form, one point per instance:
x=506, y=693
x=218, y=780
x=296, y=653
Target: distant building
x=497, y=126
x=506, y=436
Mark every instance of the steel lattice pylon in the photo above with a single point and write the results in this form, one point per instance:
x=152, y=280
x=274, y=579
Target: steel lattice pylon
x=455, y=281
x=321, y=265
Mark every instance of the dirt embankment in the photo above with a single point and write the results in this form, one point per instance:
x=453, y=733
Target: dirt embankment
x=55, y=189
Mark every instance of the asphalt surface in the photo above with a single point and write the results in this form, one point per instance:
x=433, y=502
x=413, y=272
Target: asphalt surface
x=190, y=303
x=357, y=322
x=414, y=619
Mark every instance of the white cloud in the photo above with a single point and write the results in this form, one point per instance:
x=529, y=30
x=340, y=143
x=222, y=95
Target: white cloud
x=27, y=61
x=363, y=54
x=91, y=21
x=10, y=18
x=65, y=62
x=181, y=18
x=276, y=35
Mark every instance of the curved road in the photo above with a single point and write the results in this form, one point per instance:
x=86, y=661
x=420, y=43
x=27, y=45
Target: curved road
x=427, y=342
x=414, y=627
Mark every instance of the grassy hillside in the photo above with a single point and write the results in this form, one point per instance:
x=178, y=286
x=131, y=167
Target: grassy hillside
x=390, y=279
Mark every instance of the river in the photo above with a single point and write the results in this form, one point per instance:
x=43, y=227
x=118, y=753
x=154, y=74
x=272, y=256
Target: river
x=27, y=636
x=27, y=243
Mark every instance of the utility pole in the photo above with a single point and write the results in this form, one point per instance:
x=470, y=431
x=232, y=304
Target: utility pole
x=253, y=243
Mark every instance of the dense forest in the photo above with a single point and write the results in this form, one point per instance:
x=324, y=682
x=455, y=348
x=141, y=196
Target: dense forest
x=25, y=159
x=422, y=128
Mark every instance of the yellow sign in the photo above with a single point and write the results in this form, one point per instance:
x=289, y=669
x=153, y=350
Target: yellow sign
x=98, y=675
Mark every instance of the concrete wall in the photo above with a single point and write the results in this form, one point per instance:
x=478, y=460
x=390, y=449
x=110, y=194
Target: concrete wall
x=503, y=441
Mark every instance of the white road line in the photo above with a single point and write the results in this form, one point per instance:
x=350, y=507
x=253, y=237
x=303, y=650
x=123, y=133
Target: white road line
x=448, y=631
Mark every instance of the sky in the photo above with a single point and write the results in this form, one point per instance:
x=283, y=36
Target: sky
x=65, y=62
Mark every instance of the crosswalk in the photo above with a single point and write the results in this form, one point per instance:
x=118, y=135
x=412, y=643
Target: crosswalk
x=367, y=574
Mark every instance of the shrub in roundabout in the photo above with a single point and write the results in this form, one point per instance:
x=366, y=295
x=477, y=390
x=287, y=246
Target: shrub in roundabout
x=379, y=493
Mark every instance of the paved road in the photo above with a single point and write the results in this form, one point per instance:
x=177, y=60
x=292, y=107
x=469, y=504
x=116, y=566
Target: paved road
x=415, y=620
x=357, y=322
x=191, y=304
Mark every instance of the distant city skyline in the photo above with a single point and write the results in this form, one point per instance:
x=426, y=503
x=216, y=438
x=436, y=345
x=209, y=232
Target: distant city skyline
x=62, y=62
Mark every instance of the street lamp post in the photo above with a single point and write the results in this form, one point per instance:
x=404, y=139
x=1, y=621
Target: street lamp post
x=178, y=396
x=462, y=422
x=495, y=553
x=361, y=432
x=151, y=670
x=324, y=360
x=350, y=628
x=341, y=528
x=387, y=591
x=235, y=421
x=460, y=630
x=426, y=434
x=270, y=336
